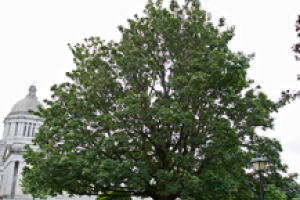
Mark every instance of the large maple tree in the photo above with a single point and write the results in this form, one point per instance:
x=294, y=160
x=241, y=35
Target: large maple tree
x=159, y=114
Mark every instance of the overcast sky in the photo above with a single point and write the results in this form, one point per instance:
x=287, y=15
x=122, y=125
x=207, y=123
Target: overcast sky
x=34, y=35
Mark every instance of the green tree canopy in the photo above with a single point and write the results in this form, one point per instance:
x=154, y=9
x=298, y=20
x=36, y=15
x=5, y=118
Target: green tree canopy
x=159, y=114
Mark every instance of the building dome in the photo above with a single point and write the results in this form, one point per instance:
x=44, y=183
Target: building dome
x=30, y=102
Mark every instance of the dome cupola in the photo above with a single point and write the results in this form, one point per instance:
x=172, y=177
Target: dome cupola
x=30, y=102
x=20, y=126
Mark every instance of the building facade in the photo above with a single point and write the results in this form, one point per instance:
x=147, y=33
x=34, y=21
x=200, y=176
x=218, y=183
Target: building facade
x=19, y=130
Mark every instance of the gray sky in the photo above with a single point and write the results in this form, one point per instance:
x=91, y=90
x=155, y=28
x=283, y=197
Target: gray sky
x=34, y=36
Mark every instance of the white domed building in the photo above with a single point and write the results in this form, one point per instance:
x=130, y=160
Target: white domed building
x=19, y=129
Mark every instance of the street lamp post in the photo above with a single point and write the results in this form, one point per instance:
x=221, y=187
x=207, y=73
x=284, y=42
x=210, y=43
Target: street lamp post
x=259, y=165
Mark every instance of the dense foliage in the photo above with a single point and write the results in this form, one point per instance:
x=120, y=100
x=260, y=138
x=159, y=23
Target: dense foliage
x=167, y=113
x=273, y=193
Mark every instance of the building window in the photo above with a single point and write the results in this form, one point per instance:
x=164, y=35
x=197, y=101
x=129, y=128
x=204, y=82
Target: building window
x=29, y=128
x=8, y=129
x=24, y=130
x=15, y=179
x=33, y=130
x=16, y=130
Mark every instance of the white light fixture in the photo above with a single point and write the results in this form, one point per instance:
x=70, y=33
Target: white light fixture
x=259, y=163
